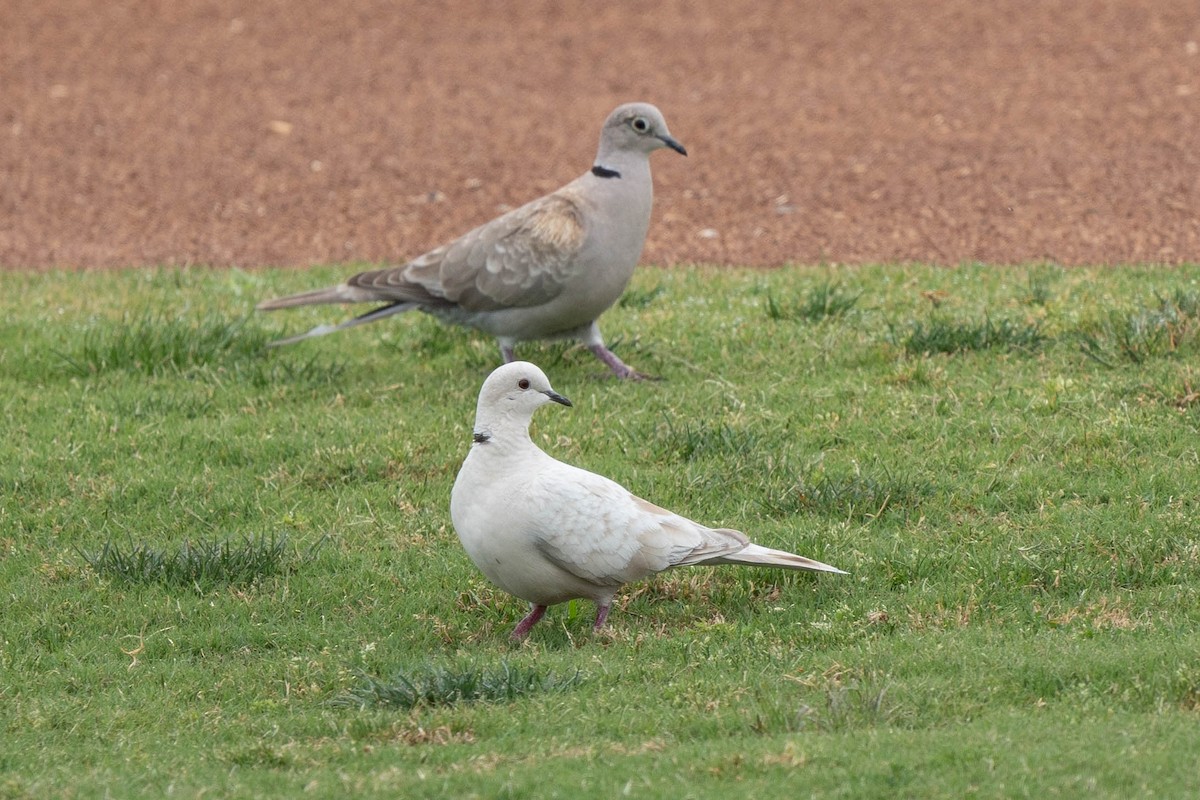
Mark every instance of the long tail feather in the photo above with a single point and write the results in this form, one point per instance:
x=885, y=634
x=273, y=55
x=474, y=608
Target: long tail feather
x=330, y=294
x=321, y=330
x=757, y=556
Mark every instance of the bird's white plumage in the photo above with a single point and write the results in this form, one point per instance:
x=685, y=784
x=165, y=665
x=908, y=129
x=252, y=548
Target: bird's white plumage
x=547, y=532
x=547, y=269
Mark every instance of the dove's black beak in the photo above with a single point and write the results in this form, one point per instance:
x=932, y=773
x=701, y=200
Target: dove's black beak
x=556, y=397
x=674, y=145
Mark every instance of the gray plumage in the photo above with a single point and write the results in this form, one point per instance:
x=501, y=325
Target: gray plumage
x=548, y=532
x=545, y=270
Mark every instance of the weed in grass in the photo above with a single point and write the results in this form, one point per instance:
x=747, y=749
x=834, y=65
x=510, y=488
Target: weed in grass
x=431, y=685
x=155, y=343
x=200, y=565
x=692, y=439
x=947, y=336
x=838, y=700
x=1185, y=303
x=213, y=348
x=852, y=495
x=1135, y=337
x=1038, y=283
x=156, y=405
x=1150, y=331
x=825, y=301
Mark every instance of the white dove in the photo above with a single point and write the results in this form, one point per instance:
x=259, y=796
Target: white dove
x=548, y=532
x=546, y=270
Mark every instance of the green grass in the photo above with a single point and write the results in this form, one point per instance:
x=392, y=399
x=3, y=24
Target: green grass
x=203, y=565
x=434, y=685
x=230, y=571
x=827, y=299
x=938, y=335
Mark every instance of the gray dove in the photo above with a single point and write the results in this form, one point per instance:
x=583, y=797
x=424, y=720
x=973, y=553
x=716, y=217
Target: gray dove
x=548, y=532
x=545, y=270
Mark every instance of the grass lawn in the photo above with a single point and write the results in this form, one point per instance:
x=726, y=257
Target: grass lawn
x=230, y=572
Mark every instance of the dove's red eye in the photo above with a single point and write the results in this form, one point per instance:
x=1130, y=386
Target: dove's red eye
x=523, y=383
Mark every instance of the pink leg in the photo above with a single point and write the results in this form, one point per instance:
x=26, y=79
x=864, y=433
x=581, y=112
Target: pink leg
x=601, y=616
x=522, y=629
x=506, y=352
x=619, y=367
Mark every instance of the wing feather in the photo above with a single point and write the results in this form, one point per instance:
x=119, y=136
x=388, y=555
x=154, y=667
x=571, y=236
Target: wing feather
x=599, y=531
x=523, y=258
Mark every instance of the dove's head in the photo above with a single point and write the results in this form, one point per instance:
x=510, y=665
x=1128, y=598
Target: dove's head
x=510, y=395
x=636, y=127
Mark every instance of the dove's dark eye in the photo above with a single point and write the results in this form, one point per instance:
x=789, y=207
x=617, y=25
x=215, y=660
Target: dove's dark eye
x=640, y=124
x=523, y=383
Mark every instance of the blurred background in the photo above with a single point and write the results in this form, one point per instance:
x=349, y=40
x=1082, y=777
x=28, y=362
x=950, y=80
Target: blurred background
x=294, y=132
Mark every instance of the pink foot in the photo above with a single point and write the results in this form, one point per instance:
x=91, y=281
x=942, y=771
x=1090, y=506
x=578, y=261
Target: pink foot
x=601, y=616
x=619, y=367
x=523, y=627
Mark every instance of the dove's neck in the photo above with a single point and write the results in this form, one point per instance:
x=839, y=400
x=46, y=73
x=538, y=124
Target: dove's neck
x=621, y=166
x=499, y=434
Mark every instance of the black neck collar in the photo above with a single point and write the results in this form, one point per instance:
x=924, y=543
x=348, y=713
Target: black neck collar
x=605, y=172
x=480, y=438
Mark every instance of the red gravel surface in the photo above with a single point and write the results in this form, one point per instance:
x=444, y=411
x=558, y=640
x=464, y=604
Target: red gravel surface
x=291, y=132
